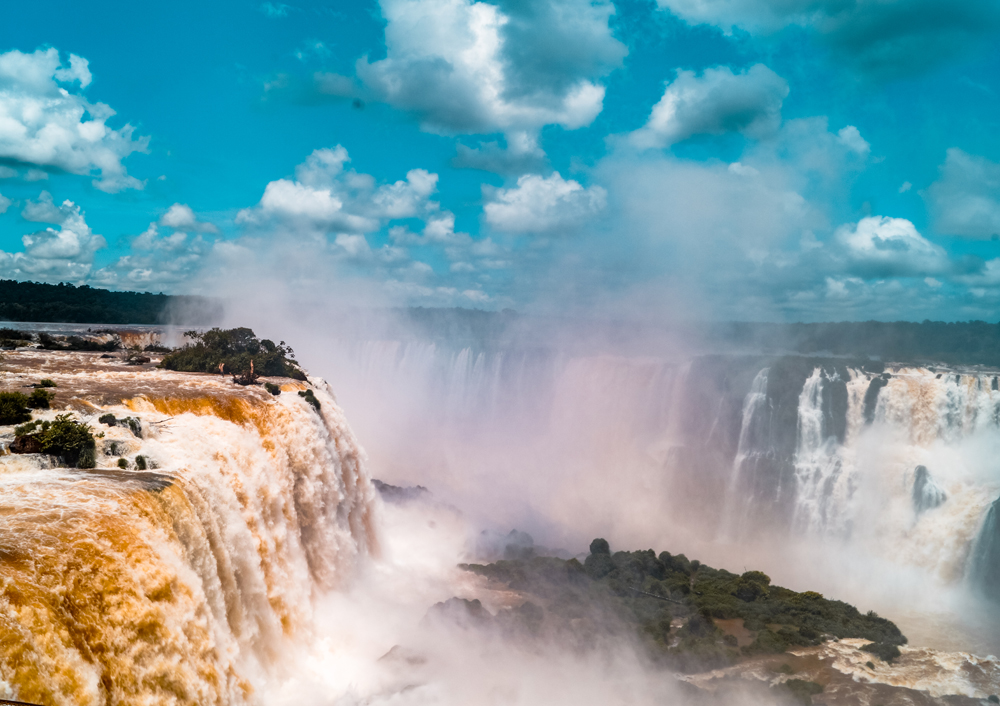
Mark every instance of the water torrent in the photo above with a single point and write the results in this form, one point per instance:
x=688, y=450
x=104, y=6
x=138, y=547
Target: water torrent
x=185, y=583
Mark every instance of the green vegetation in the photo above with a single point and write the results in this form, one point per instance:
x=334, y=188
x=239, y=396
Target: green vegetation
x=885, y=651
x=40, y=398
x=232, y=351
x=123, y=464
x=140, y=463
x=64, y=437
x=49, y=342
x=272, y=388
x=131, y=423
x=803, y=691
x=46, y=382
x=14, y=338
x=310, y=398
x=32, y=301
x=645, y=592
x=13, y=408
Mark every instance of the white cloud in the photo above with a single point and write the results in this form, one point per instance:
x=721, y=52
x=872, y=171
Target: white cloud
x=851, y=138
x=44, y=210
x=36, y=175
x=181, y=217
x=4, y=203
x=275, y=10
x=714, y=103
x=965, y=200
x=7, y=172
x=473, y=67
x=45, y=124
x=55, y=254
x=904, y=187
x=326, y=197
x=879, y=246
x=543, y=204
x=882, y=38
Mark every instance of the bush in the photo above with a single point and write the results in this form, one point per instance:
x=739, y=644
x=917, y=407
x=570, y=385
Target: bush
x=123, y=464
x=46, y=382
x=140, y=463
x=600, y=546
x=233, y=349
x=272, y=388
x=884, y=651
x=802, y=690
x=40, y=398
x=310, y=398
x=70, y=440
x=108, y=419
x=13, y=408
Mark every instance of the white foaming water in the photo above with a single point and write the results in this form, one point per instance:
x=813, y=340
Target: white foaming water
x=189, y=583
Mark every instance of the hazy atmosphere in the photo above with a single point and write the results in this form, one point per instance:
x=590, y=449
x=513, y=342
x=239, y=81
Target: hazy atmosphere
x=747, y=159
x=500, y=353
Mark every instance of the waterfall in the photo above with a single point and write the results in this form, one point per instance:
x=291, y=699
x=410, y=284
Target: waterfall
x=984, y=564
x=927, y=494
x=182, y=584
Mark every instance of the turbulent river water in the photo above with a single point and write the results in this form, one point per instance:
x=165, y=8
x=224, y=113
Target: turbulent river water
x=179, y=584
x=254, y=563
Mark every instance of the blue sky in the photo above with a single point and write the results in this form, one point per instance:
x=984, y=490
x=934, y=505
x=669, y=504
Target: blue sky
x=749, y=159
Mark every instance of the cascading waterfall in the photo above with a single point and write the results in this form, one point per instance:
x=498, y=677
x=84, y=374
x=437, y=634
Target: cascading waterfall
x=178, y=585
x=905, y=454
x=984, y=570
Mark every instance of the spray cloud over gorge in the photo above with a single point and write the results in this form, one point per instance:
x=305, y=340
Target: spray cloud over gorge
x=500, y=352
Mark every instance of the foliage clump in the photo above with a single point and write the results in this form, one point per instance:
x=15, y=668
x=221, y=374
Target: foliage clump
x=131, y=423
x=40, y=398
x=70, y=440
x=802, y=690
x=310, y=397
x=646, y=591
x=48, y=342
x=885, y=651
x=13, y=408
x=46, y=382
x=272, y=388
x=14, y=338
x=231, y=351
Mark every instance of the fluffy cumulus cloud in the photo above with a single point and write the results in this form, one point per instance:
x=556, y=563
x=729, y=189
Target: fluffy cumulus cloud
x=326, y=197
x=542, y=205
x=4, y=203
x=965, y=200
x=47, y=122
x=475, y=67
x=164, y=256
x=181, y=217
x=63, y=251
x=715, y=102
x=878, y=246
x=884, y=38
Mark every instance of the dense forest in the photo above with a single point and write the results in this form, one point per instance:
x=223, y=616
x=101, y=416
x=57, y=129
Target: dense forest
x=66, y=303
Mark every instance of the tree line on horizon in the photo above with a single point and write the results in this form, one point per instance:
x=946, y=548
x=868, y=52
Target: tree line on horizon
x=71, y=304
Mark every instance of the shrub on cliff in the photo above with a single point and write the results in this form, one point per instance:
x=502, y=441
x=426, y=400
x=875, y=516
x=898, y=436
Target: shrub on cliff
x=233, y=349
x=64, y=437
x=13, y=408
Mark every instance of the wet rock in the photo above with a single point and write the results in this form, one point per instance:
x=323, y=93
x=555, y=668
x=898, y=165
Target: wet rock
x=927, y=494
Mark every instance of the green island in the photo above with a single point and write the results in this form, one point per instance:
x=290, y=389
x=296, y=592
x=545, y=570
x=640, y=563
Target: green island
x=689, y=616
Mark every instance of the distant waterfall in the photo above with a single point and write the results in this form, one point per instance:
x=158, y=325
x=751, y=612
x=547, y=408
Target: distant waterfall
x=984, y=566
